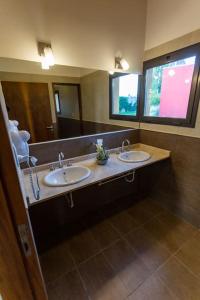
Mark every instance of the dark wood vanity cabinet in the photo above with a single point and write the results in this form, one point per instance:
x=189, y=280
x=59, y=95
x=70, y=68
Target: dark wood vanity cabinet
x=54, y=217
x=53, y=220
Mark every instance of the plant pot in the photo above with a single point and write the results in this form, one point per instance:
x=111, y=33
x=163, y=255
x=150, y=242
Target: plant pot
x=102, y=161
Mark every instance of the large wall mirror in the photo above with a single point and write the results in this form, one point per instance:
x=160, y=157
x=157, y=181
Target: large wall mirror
x=59, y=103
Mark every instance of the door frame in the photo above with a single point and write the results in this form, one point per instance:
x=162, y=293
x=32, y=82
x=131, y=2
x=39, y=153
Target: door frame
x=27, y=262
x=79, y=100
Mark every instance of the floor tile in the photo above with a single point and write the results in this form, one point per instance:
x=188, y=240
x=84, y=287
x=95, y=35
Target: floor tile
x=152, y=289
x=67, y=287
x=152, y=206
x=148, y=248
x=83, y=246
x=170, y=231
x=189, y=254
x=127, y=265
x=174, y=222
x=179, y=280
x=104, y=233
x=56, y=262
x=123, y=222
x=140, y=214
x=101, y=281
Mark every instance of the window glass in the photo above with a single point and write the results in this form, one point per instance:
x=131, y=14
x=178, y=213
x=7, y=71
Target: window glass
x=57, y=101
x=124, y=95
x=167, y=89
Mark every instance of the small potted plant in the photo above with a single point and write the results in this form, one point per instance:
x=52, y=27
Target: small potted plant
x=102, y=155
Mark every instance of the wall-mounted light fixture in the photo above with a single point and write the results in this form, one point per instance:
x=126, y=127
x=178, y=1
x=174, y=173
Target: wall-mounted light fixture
x=121, y=63
x=46, y=55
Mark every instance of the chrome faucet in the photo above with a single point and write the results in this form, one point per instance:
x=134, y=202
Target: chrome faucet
x=126, y=141
x=60, y=159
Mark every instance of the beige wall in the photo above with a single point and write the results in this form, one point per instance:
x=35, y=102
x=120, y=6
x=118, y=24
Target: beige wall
x=7, y=76
x=95, y=92
x=95, y=99
x=168, y=20
x=178, y=43
x=83, y=33
x=171, y=25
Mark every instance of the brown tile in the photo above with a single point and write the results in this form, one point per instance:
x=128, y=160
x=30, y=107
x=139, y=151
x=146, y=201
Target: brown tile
x=46, y=152
x=158, y=139
x=178, y=185
x=170, y=231
x=152, y=253
x=56, y=262
x=123, y=222
x=152, y=206
x=104, y=233
x=67, y=287
x=101, y=281
x=140, y=214
x=83, y=246
x=152, y=289
x=189, y=254
x=179, y=280
x=127, y=265
x=177, y=223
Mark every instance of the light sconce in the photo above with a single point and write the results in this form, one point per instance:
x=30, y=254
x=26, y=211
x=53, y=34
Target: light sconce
x=46, y=55
x=121, y=63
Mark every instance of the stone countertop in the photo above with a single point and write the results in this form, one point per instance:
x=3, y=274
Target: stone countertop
x=114, y=167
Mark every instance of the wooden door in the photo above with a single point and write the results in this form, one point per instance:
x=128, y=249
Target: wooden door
x=13, y=279
x=29, y=104
x=20, y=273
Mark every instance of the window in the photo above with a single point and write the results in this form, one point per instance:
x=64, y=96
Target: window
x=171, y=88
x=124, y=96
x=57, y=102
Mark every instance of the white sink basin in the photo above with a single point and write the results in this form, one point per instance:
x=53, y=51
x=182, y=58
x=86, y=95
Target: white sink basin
x=66, y=176
x=134, y=156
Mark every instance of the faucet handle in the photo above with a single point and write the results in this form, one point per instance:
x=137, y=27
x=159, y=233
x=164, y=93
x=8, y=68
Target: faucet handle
x=127, y=141
x=123, y=144
x=61, y=155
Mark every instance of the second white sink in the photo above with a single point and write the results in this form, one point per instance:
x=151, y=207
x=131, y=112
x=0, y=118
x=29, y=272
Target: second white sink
x=134, y=156
x=67, y=176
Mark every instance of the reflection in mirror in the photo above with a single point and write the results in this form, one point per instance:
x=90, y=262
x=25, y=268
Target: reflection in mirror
x=68, y=109
x=124, y=96
x=59, y=103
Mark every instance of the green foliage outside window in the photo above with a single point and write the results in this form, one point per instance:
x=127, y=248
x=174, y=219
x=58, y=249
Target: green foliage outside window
x=127, y=107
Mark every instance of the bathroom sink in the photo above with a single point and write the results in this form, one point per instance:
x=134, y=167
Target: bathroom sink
x=66, y=176
x=134, y=156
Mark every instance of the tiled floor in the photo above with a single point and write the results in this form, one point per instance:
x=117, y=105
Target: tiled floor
x=141, y=253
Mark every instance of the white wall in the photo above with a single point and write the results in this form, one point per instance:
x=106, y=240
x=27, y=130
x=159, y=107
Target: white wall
x=83, y=33
x=167, y=20
x=171, y=25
